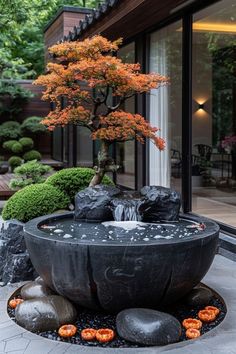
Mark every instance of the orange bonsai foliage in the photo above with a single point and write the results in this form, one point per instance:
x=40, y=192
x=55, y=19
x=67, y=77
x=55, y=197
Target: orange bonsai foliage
x=87, y=75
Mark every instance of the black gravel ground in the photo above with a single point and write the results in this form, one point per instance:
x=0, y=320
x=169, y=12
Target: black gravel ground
x=91, y=319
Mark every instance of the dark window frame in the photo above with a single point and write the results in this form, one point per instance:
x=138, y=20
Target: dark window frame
x=186, y=15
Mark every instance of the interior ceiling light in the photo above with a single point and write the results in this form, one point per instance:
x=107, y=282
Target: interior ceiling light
x=213, y=27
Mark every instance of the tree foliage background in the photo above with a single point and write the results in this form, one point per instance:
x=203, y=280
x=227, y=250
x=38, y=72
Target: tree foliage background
x=21, y=34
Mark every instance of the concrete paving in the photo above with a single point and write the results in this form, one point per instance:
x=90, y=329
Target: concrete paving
x=221, y=340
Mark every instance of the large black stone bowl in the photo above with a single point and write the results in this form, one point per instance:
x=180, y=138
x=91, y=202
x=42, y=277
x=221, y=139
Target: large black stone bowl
x=113, y=276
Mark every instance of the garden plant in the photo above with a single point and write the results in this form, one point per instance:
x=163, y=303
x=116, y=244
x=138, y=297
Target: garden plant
x=18, y=140
x=37, y=198
x=87, y=74
x=28, y=173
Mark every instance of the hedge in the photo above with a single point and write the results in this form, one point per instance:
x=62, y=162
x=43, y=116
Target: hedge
x=72, y=180
x=33, y=201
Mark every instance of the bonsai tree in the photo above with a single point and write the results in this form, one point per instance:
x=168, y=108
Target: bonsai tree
x=87, y=75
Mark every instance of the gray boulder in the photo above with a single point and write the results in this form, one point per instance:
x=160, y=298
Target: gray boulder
x=15, y=264
x=93, y=203
x=45, y=314
x=35, y=289
x=4, y=167
x=159, y=204
x=148, y=327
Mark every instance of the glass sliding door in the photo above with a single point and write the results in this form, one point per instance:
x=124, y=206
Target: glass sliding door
x=165, y=106
x=214, y=112
x=125, y=152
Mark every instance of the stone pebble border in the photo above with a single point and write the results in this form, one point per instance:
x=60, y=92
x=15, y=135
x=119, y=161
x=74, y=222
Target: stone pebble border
x=221, y=340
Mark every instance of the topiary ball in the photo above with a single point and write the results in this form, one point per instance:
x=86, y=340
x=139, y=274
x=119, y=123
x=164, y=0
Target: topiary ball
x=34, y=201
x=32, y=155
x=32, y=125
x=27, y=143
x=72, y=180
x=9, y=130
x=17, y=148
x=14, y=161
x=8, y=144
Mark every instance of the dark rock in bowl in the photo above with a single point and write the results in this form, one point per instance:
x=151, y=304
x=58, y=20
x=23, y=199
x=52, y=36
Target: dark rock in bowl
x=148, y=327
x=45, y=314
x=159, y=203
x=93, y=203
x=113, y=272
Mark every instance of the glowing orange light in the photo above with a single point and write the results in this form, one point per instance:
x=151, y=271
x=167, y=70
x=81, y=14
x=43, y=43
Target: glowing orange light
x=213, y=27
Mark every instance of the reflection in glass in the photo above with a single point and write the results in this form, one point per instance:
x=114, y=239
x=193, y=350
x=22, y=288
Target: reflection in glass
x=84, y=148
x=125, y=151
x=166, y=106
x=57, y=144
x=214, y=112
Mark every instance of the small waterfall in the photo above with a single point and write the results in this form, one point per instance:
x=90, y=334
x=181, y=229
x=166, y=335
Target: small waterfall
x=126, y=210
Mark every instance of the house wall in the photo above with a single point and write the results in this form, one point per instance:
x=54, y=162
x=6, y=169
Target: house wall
x=143, y=14
x=202, y=92
x=64, y=22
x=36, y=107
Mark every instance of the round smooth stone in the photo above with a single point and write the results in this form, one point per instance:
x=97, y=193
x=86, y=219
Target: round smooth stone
x=198, y=297
x=35, y=289
x=45, y=314
x=148, y=327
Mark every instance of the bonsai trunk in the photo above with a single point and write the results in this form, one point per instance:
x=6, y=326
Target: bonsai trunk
x=103, y=164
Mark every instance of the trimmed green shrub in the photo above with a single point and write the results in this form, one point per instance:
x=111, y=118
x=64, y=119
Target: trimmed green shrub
x=17, y=148
x=14, y=161
x=11, y=124
x=8, y=144
x=27, y=143
x=33, y=201
x=32, y=155
x=10, y=130
x=72, y=180
x=32, y=125
x=31, y=172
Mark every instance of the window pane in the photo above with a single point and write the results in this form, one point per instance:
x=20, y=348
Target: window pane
x=84, y=147
x=57, y=144
x=214, y=112
x=125, y=152
x=65, y=144
x=166, y=106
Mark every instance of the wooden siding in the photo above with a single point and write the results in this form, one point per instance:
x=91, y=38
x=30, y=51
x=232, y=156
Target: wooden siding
x=60, y=27
x=71, y=19
x=53, y=34
x=35, y=106
x=131, y=17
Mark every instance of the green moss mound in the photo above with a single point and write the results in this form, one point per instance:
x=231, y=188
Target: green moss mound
x=9, y=130
x=17, y=148
x=8, y=144
x=72, y=180
x=33, y=201
x=14, y=161
x=27, y=143
x=32, y=155
x=32, y=125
